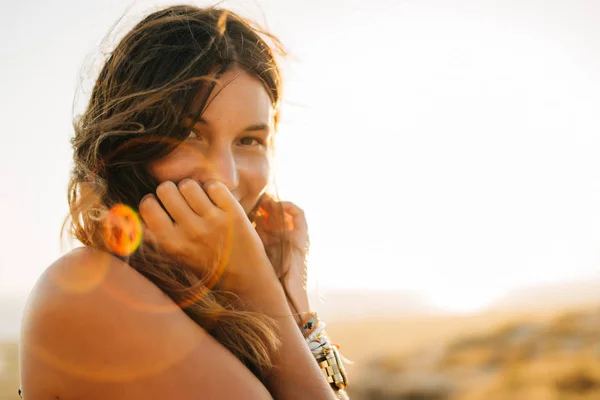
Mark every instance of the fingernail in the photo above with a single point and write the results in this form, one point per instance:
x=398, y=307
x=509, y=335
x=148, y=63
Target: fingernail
x=146, y=197
x=185, y=182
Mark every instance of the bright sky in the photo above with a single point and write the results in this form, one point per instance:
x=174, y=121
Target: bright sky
x=450, y=150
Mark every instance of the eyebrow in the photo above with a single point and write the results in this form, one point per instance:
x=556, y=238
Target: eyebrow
x=250, y=128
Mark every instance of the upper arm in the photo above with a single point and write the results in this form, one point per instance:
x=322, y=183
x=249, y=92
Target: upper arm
x=95, y=328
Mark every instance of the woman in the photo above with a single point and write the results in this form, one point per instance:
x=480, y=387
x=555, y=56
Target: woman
x=175, y=146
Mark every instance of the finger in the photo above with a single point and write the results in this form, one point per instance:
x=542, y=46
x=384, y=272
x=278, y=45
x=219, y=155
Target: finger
x=273, y=213
x=149, y=236
x=292, y=209
x=221, y=196
x=264, y=232
x=298, y=219
x=288, y=222
x=154, y=217
x=174, y=202
x=152, y=238
x=195, y=196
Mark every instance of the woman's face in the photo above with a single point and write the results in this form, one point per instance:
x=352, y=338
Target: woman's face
x=230, y=143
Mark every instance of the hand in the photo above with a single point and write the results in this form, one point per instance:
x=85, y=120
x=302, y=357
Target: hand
x=283, y=229
x=200, y=228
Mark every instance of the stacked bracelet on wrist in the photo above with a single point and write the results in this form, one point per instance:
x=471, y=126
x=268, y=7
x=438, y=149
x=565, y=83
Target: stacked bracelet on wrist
x=308, y=323
x=326, y=354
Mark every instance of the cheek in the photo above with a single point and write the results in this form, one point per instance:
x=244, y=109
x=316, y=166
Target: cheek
x=254, y=177
x=175, y=166
x=254, y=172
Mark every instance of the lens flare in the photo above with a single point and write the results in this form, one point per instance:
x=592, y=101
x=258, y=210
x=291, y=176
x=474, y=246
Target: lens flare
x=122, y=230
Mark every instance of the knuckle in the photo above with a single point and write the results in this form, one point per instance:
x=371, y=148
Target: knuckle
x=195, y=233
x=234, y=215
x=161, y=236
x=216, y=189
x=212, y=185
x=172, y=246
x=213, y=215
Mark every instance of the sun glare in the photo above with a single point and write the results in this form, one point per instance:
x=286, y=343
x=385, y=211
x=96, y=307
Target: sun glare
x=456, y=133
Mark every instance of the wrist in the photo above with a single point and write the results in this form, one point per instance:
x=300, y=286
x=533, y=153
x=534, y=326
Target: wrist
x=262, y=292
x=326, y=353
x=266, y=299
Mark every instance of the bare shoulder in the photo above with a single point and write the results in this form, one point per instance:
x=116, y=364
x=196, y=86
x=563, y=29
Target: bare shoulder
x=94, y=328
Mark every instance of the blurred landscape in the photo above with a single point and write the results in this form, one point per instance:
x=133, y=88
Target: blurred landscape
x=491, y=357
x=539, y=343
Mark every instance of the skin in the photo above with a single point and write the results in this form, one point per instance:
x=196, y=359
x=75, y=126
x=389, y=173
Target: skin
x=231, y=142
x=209, y=184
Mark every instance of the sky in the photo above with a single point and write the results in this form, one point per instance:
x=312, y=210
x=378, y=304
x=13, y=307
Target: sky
x=449, y=149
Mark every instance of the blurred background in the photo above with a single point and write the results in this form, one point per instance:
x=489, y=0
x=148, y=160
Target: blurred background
x=445, y=153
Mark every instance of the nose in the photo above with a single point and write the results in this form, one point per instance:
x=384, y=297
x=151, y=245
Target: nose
x=221, y=165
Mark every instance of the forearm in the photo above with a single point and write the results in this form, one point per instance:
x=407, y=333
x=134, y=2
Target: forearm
x=295, y=374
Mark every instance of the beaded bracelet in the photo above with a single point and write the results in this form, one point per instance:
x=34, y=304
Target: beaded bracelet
x=309, y=323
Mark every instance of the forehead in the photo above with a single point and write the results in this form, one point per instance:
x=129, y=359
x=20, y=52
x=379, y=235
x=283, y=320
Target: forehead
x=238, y=98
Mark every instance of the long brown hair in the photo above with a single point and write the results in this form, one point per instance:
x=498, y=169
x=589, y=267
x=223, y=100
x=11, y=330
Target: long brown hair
x=150, y=80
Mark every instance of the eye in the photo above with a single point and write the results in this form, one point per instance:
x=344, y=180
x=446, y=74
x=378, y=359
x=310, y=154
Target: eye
x=251, y=141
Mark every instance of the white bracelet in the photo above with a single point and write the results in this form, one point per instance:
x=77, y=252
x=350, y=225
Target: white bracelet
x=314, y=346
x=316, y=332
x=320, y=345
